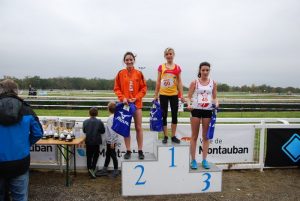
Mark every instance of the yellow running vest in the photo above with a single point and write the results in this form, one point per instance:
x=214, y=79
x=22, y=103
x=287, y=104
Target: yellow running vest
x=169, y=81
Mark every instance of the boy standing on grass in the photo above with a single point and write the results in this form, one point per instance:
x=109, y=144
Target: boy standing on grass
x=111, y=142
x=93, y=128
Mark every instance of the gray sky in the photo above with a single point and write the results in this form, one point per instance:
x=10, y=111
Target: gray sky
x=247, y=42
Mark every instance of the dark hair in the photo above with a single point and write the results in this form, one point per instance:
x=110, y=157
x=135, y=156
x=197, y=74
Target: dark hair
x=8, y=86
x=93, y=112
x=129, y=53
x=200, y=66
x=111, y=107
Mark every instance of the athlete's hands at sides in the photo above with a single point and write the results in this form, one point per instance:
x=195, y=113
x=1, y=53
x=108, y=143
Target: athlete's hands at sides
x=189, y=107
x=182, y=99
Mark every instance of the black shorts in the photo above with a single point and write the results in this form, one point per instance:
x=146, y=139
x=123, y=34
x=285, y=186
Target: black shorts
x=201, y=113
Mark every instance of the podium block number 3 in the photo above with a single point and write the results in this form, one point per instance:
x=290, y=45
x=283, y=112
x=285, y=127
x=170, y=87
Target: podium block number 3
x=172, y=157
x=139, y=182
x=206, y=181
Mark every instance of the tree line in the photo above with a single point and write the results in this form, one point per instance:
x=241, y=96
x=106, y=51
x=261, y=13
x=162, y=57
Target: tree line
x=79, y=83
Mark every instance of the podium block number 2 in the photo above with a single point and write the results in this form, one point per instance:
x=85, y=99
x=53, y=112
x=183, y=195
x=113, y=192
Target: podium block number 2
x=206, y=181
x=139, y=182
x=172, y=157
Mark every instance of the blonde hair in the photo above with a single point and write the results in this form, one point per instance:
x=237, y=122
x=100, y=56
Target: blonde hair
x=168, y=49
x=8, y=86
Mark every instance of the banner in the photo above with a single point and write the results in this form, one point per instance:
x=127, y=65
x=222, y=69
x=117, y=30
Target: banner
x=283, y=147
x=43, y=154
x=148, y=144
x=231, y=143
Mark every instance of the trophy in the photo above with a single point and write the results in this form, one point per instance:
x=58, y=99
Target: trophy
x=45, y=126
x=56, y=129
x=51, y=128
x=62, y=137
x=69, y=126
x=48, y=128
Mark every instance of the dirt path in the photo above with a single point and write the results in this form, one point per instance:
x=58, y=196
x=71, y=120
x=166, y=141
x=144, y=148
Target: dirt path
x=242, y=185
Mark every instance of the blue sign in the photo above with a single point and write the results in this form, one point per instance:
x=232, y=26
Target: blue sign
x=292, y=148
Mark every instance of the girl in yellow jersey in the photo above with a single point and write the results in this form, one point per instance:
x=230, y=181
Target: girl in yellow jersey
x=169, y=89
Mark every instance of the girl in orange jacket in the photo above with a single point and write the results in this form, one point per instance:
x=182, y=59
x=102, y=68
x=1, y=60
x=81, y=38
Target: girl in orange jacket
x=130, y=86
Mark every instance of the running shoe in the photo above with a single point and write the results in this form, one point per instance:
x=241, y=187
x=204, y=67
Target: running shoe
x=127, y=155
x=175, y=140
x=205, y=164
x=194, y=165
x=165, y=140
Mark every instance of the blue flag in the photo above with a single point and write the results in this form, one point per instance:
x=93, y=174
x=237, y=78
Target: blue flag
x=156, y=119
x=211, y=128
x=122, y=118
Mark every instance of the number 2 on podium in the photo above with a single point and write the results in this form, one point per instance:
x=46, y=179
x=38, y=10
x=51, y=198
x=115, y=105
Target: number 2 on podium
x=172, y=157
x=139, y=182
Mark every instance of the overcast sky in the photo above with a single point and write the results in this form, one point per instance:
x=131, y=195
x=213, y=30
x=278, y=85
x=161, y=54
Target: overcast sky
x=247, y=42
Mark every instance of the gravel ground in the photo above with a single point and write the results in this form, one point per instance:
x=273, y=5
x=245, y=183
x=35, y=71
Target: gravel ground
x=272, y=184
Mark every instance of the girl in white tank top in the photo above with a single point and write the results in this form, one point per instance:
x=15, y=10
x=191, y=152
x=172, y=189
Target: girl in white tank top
x=200, y=100
x=202, y=97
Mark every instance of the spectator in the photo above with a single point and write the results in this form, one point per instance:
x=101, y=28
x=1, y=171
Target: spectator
x=93, y=128
x=111, y=143
x=19, y=130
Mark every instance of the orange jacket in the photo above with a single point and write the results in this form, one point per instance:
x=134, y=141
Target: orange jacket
x=137, y=89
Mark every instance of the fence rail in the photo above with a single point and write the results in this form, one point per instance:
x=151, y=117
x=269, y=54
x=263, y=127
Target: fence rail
x=68, y=102
x=260, y=125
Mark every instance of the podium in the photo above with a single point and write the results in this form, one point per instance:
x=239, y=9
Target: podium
x=167, y=171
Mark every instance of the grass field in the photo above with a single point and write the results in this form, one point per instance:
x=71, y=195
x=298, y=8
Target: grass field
x=104, y=113
x=223, y=96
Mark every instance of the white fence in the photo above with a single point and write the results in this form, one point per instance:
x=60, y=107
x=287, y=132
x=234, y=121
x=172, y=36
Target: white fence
x=244, y=136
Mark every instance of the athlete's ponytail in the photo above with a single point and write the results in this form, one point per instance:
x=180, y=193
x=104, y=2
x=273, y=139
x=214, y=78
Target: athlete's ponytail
x=200, y=66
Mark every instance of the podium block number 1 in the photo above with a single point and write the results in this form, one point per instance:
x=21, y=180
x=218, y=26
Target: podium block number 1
x=172, y=157
x=139, y=182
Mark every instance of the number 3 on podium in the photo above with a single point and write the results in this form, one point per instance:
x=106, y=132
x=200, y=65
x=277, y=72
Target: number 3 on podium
x=206, y=181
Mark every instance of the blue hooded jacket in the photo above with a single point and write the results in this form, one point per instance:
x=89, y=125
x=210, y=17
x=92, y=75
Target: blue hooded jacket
x=19, y=129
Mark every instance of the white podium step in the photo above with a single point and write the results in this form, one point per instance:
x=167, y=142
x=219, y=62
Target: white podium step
x=167, y=171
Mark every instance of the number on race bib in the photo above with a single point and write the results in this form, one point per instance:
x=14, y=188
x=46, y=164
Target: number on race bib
x=167, y=82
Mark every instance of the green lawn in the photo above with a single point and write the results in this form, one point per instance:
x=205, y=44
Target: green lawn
x=104, y=113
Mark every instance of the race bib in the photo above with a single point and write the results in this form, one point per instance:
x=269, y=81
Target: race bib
x=167, y=83
x=203, y=100
x=130, y=85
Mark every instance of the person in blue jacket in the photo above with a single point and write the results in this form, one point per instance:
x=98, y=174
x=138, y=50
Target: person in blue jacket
x=19, y=130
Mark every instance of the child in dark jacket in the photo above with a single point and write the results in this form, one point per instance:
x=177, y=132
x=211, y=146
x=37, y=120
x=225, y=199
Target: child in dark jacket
x=111, y=143
x=93, y=128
